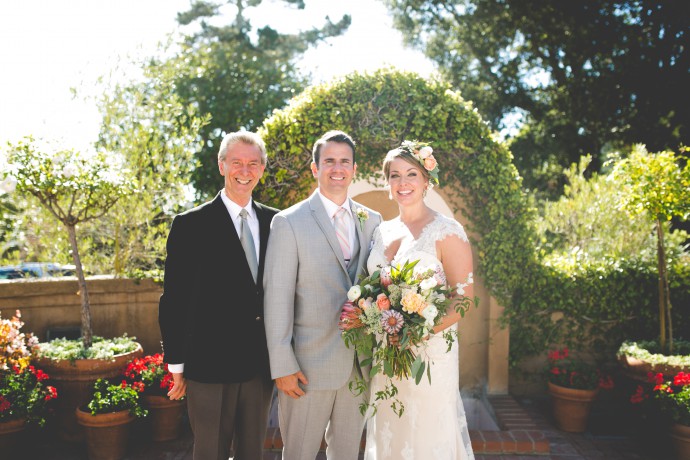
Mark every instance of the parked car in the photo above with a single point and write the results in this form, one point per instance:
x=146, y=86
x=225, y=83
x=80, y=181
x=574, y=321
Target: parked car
x=36, y=270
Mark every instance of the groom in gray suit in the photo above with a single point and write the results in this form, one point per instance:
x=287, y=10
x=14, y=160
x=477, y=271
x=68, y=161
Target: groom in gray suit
x=316, y=250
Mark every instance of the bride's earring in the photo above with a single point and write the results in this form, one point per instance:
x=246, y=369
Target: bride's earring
x=390, y=195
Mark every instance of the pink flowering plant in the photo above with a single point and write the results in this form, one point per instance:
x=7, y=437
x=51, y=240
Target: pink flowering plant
x=388, y=317
x=15, y=346
x=23, y=389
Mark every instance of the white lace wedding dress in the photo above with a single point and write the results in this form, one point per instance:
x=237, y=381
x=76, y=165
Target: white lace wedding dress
x=433, y=425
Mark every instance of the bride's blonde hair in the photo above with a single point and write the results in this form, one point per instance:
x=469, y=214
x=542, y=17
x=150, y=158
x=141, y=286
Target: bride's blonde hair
x=404, y=155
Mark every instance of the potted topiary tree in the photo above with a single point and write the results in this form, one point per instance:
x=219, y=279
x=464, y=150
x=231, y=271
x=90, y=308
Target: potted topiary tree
x=655, y=185
x=74, y=187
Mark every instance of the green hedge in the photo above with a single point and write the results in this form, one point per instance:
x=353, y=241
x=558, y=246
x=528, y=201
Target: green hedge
x=602, y=303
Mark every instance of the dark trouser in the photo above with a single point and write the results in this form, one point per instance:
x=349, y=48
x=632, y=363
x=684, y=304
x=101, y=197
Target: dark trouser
x=218, y=411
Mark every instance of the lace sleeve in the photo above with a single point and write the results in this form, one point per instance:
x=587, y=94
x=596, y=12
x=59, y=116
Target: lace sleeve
x=441, y=228
x=450, y=227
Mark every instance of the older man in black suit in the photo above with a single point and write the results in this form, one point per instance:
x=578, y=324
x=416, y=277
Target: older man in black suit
x=211, y=310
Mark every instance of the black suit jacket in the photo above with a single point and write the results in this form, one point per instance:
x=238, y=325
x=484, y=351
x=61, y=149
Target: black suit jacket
x=211, y=310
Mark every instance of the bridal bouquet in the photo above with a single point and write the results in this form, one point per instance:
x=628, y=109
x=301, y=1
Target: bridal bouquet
x=389, y=316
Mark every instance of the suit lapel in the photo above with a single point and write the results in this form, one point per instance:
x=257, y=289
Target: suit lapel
x=319, y=214
x=224, y=220
x=363, y=244
x=265, y=218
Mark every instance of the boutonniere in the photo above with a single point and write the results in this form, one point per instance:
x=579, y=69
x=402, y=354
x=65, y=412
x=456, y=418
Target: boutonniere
x=362, y=216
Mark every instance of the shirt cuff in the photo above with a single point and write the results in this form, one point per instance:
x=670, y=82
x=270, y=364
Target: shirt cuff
x=176, y=368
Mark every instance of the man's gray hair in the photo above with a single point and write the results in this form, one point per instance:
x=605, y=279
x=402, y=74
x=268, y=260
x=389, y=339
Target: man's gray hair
x=245, y=137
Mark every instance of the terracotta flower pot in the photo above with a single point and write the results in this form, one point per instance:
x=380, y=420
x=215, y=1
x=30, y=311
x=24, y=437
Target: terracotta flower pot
x=10, y=435
x=165, y=416
x=681, y=441
x=571, y=407
x=74, y=382
x=107, y=435
x=638, y=369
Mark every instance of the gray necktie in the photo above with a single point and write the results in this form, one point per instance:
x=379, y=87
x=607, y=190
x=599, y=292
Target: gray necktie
x=248, y=244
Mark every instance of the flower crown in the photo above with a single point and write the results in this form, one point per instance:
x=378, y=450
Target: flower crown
x=422, y=152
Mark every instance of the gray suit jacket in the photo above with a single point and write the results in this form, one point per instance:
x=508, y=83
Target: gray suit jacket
x=305, y=284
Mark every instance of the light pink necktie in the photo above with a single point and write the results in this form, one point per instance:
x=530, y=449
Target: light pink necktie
x=343, y=233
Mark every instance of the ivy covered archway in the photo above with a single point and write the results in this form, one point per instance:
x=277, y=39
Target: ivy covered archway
x=381, y=109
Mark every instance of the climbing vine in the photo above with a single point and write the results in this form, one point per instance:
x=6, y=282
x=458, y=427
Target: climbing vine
x=381, y=109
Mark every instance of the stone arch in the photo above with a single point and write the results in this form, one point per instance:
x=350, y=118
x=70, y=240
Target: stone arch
x=480, y=186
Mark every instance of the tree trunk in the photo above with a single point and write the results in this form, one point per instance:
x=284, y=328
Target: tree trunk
x=85, y=306
x=669, y=310
x=663, y=283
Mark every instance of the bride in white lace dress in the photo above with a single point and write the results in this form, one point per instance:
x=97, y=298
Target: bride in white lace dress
x=433, y=425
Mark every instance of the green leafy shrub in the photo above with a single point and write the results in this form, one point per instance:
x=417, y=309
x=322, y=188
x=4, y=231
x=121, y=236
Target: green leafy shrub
x=597, y=281
x=108, y=398
x=587, y=221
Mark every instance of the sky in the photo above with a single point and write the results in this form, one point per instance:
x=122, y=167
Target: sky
x=50, y=47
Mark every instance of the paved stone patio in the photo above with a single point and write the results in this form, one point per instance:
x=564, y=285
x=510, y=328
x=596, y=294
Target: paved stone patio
x=527, y=433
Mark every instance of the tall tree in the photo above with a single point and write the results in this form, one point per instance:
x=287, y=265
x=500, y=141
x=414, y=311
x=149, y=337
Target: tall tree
x=237, y=74
x=585, y=75
x=157, y=136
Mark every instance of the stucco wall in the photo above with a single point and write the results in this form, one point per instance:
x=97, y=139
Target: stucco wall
x=117, y=306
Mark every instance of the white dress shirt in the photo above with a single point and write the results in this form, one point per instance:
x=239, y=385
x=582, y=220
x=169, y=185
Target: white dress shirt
x=332, y=208
x=234, y=210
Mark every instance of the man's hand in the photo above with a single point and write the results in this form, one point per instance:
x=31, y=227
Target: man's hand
x=290, y=384
x=179, y=388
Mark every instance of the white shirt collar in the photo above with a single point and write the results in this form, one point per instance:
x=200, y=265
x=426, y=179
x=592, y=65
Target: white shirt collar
x=331, y=207
x=234, y=208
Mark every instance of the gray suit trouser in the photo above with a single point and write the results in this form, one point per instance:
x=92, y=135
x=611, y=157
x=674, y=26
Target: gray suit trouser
x=224, y=414
x=303, y=422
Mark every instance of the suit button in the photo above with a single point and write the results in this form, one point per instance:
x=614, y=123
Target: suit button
x=258, y=318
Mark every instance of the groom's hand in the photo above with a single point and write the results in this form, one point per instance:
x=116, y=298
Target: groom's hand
x=290, y=384
x=179, y=386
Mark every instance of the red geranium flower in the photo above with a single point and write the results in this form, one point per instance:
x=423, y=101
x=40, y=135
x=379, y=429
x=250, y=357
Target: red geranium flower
x=4, y=404
x=52, y=393
x=150, y=374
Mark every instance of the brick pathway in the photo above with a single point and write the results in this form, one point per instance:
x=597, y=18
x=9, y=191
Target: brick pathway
x=528, y=433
